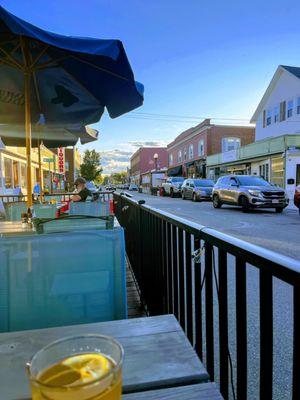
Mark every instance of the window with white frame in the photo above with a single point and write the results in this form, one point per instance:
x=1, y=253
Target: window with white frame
x=289, y=110
x=184, y=154
x=230, y=143
x=298, y=105
x=191, y=151
x=201, y=147
x=179, y=156
x=269, y=117
x=171, y=159
x=276, y=114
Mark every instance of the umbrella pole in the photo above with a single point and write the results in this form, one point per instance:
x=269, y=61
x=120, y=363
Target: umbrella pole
x=40, y=170
x=28, y=136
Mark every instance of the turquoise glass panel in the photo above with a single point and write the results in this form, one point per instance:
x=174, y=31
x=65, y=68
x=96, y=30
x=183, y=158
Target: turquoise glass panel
x=62, y=279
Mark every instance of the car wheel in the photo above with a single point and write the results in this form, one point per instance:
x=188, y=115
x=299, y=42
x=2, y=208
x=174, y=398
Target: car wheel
x=194, y=198
x=216, y=201
x=245, y=204
x=183, y=196
x=279, y=210
x=171, y=193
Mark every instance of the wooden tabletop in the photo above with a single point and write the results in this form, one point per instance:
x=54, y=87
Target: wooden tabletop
x=11, y=228
x=157, y=354
x=202, y=391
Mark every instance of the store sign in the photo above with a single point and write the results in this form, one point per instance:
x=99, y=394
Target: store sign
x=228, y=156
x=61, y=160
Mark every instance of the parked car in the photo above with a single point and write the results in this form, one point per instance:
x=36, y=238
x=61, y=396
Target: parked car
x=172, y=186
x=297, y=197
x=197, y=189
x=133, y=187
x=248, y=192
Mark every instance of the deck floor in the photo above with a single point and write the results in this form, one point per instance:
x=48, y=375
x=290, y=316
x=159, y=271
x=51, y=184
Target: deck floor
x=135, y=306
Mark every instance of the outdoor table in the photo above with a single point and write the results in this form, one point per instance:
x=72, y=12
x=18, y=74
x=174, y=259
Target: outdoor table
x=157, y=354
x=202, y=391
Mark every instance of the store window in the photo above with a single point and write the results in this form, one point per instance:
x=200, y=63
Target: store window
x=277, y=171
x=8, y=173
x=201, y=147
x=184, y=153
x=264, y=171
x=191, y=151
x=179, y=156
x=230, y=143
x=298, y=105
x=16, y=174
x=23, y=175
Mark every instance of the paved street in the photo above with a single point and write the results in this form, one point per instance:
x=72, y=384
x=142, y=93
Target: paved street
x=277, y=232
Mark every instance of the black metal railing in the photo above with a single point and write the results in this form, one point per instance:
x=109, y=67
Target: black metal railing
x=183, y=268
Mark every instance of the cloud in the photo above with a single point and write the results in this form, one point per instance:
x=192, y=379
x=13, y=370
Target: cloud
x=115, y=160
x=157, y=143
x=118, y=160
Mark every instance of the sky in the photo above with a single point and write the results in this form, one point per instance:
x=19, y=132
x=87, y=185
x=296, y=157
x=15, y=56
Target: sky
x=195, y=58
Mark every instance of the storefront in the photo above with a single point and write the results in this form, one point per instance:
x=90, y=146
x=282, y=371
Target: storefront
x=280, y=165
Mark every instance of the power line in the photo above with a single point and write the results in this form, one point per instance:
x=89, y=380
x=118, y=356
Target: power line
x=187, y=116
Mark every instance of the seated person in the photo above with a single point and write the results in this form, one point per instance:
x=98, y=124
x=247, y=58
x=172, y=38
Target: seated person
x=82, y=191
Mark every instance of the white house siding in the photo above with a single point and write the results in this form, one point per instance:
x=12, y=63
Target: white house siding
x=287, y=88
x=292, y=165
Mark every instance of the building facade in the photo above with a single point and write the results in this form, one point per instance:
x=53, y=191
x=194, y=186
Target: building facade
x=146, y=159
x=13, y=169
x=69, y=164
x=275, y=154
x=188, y=152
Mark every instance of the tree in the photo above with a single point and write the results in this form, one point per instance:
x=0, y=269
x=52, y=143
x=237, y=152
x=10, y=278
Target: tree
x=118, y=177
x=91, y=169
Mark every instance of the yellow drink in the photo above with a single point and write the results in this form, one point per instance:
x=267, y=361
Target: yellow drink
x=88, y=376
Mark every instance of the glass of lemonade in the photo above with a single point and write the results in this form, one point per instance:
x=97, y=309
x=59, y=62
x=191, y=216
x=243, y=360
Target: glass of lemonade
x=87, y=367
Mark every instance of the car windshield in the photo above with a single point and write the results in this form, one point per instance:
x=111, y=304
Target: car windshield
x=252, y=181
x=177, y=180
x=204, y=182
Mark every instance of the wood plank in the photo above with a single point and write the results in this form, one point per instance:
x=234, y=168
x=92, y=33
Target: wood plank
x=157, y=354
x=204, y=391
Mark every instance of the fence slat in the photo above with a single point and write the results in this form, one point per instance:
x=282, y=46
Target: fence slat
x=296, y=350
x=209, y=316
x=189, y=288
x=175, y=271
x=181, y=278
x=169, y=269
x=241, y=329
x=198, y=303
x=266, y=334
x=223, y=322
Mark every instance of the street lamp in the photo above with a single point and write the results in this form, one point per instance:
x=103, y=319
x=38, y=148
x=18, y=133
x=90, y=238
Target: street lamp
x=155, y=160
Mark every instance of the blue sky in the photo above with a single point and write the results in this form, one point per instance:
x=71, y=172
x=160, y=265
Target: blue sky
x=195, y=58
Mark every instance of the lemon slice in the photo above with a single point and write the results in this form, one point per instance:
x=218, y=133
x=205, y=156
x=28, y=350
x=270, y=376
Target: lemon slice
x=90, y=367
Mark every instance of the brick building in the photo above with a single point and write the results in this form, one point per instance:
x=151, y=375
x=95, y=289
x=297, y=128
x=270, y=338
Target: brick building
x=145, y=160
x=187, y=153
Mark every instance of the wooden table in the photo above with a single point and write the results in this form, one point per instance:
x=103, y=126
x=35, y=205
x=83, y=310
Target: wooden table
x=157, y=354
x=202, y=391
x=11, y=228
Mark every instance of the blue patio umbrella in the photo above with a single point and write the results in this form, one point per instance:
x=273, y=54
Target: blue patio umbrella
x=51, y=138
x=69, y=80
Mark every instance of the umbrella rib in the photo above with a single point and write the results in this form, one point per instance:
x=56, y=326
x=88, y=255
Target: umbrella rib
x=12, y=60
x=46, y=64
x=100, y=68
x=39, y=56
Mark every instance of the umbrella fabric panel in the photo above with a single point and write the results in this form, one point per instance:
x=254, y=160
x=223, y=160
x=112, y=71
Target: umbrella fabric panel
x=100, y=66
x=62, y=99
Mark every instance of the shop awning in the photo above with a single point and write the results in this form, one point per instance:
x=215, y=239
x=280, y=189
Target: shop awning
x=175, y=171
x=189, y=164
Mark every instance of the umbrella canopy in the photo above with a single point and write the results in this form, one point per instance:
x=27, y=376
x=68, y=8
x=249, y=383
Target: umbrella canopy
x=73, y=78
x=66, y=80
x=51, y=138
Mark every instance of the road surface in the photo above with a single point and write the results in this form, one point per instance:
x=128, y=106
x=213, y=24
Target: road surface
x=277, y=232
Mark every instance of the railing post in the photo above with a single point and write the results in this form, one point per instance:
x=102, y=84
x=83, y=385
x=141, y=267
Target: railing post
x=296, y=342
x=198, y=303
x=209, y=311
